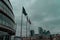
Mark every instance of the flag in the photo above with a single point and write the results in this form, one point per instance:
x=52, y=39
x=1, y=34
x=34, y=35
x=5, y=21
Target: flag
x=29, y=21
x=23, y=11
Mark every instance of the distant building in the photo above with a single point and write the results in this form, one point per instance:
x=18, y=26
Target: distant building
x=40, y=30
x=48, y=33
x=32, y=32
x=44, y=32
x=7, y=23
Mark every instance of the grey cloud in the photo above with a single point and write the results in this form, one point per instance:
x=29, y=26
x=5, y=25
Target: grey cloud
x=41, y=13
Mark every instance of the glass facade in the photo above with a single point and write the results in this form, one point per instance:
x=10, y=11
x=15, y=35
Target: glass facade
x=6, y=10
x=4, y=36
x=4, y=19
x=8, y=3
x=7, y=23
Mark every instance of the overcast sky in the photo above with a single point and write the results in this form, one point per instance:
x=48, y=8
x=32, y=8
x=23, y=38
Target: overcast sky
x=43, y=13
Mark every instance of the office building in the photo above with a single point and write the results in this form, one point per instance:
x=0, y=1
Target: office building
x=7, y=23
x=40, y=30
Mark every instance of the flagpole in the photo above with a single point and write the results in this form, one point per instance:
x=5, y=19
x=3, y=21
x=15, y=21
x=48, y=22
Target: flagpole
x=26, y=27
x=21, y=26
x=29, y=31
x=29, y=28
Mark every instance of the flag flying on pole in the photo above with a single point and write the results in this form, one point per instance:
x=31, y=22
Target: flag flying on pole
x=24, y=12
x=28, y=20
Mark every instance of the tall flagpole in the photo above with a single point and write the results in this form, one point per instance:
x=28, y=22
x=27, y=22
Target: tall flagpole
x=24, y=12
x=21, y=26
x=26, y=26
x=29, y=31
x=29, y=28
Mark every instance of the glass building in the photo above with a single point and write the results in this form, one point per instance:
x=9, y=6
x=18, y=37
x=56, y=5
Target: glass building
x=40, y=30
x=7, y=23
